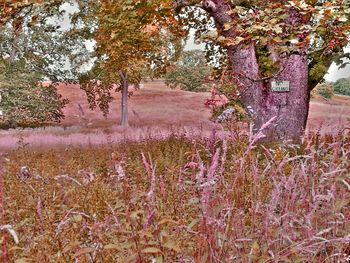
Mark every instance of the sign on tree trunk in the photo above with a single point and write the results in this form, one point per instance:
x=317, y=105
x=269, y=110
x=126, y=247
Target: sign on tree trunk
x=280, y=86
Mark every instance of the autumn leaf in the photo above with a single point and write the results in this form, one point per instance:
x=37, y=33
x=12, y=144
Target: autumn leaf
x=85, y=250
x=151, y=250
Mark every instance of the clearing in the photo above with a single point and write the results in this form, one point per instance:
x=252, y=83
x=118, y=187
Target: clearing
x=156, y=111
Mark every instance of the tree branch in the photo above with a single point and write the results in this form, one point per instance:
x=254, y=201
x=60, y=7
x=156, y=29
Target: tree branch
x=179, y=4
x=327, y=62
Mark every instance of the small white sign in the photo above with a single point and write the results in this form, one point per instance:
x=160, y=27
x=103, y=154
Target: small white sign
x=280, y=86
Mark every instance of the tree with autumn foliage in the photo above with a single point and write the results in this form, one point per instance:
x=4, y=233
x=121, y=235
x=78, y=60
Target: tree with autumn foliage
x=266, y=42
x=132, y=37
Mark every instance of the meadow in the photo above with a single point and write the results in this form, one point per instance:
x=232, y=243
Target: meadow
x=154, y=111
x=174, y=187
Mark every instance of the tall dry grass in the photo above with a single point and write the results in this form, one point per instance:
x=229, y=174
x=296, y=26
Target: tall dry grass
x=180, y=199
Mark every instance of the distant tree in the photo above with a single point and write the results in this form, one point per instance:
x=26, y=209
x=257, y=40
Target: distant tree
x=342, y=86
x=32, y=49
x=189, y=72
x=24, y=101
x=131, y=37
x=324, y=90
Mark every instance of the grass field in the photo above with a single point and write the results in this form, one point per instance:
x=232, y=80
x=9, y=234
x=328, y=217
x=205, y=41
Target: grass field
x=154, y=110
x=172, y=189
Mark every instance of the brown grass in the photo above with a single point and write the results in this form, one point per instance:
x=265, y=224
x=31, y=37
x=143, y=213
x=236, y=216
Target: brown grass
x=154, y=105
x=329, y=113
x=180, y=200
x=174, y=199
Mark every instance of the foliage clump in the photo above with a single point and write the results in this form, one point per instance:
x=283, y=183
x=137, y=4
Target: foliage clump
x=189, y=72
x=225, y=97
x=267, y=67
x=325, y=90
x=342, y=86
x=24, y=101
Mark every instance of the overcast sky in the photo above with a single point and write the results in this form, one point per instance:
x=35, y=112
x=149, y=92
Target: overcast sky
x=334, y=73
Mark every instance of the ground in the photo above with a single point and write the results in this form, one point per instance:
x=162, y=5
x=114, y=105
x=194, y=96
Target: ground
x=154, y=109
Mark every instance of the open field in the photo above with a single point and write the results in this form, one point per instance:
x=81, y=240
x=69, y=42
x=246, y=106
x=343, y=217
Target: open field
x=154, y=110
x=329, y=113
x=153, y=105
x=170, y=190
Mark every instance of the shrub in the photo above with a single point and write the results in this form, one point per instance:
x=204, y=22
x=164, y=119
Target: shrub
x=325, y=90
x=24, y=102
x=189, y=72
x=342, y=86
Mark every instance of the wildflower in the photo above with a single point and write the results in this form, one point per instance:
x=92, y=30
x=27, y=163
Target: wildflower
x=89, y=177
x=226, y=114
x=119, y=170
x=24, y=173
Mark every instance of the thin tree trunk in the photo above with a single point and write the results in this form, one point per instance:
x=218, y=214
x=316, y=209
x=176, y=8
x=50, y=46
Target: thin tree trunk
x=124, y=103
x=17, y=30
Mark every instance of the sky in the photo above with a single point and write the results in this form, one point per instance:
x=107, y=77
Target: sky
x=333, y=74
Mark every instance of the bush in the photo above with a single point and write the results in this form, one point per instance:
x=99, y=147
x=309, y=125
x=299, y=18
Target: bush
x=325, y=90
x=342, y=86
x=189, y=72
x=24, y=102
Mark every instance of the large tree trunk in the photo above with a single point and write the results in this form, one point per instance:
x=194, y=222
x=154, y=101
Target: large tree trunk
x=124, y=103
x=291, y=108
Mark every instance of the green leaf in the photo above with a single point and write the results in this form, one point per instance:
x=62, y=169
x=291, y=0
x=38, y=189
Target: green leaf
x=193, y=223
x=235, y=41
x=227, y=26
x=78, y=218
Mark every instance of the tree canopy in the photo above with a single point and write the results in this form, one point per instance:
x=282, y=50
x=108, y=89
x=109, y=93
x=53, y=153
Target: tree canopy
x=315, y=27
x=24, y=101
x=133, y=37
x=342, y=86
x=32, y=50
x=189, y=72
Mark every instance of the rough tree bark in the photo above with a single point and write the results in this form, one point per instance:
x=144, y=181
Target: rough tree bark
x=124, y=102
x=291, y=108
